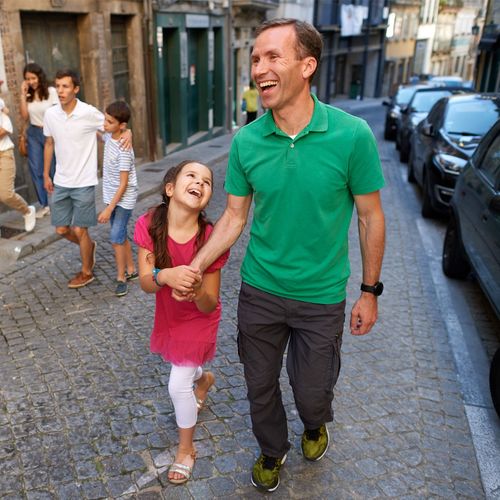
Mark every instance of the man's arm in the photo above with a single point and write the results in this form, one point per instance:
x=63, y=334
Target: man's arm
x=48, y=153
x=226, y=231
x=371, y=226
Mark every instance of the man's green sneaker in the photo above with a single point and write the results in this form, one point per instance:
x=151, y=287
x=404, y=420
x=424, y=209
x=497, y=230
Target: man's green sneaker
x=315, y=443
x=266, y=472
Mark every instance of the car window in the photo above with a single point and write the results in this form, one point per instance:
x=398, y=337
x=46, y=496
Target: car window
x=436, y=113
x=404, y=95
x=472, y=118
x=423, y=101
x=490, y=165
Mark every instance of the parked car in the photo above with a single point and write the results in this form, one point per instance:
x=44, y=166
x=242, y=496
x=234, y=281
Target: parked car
x=472, y=239
x=393, y=114
x=411, y=115
x=444, y=141
x=448, y=81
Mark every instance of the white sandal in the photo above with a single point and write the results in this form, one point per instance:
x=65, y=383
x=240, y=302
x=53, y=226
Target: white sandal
x=183, y=470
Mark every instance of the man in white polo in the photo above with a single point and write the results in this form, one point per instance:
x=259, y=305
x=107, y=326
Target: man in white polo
x=71, y=129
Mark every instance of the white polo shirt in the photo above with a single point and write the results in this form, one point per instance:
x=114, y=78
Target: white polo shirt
x=75, y=143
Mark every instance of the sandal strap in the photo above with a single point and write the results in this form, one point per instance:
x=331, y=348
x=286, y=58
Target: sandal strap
x=182, y=469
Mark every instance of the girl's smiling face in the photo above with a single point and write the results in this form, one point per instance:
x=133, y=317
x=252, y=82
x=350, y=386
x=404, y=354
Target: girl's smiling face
x=32, y=80
x=192, y=187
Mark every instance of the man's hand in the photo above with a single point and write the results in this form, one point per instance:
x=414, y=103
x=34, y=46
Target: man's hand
x=48, y=185
x=104, y=216
x=364, y=314
x=183, y=279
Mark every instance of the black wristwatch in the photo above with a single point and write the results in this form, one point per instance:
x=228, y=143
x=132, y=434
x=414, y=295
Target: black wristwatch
x=376, y=289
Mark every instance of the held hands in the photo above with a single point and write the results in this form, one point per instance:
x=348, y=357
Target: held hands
x=364, y=314
x=184, y=280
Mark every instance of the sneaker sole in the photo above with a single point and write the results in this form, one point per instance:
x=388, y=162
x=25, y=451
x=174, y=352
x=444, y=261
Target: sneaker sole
x=82, y=284
x=121, y=294
x=324, y=453
x=263, y=488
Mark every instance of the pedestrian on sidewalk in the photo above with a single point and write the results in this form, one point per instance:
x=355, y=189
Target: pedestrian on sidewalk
x=8, y=194
x=119, y=188
x=308, y=165
x=36, y=97
x=184, y=333
x=251, y=102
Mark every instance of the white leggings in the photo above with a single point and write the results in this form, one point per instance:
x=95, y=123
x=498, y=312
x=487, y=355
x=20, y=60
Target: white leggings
x=180, y=388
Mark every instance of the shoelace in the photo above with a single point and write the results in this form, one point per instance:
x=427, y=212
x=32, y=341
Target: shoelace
x=312, y=434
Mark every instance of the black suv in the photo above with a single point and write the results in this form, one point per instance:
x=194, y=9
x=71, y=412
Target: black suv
x=393, y=114
x=444, y=141
x=412, y=114
x=473, y=234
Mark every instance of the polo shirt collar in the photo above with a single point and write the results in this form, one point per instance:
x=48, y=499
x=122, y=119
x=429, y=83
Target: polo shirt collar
x=318, y=123
x=76, y=111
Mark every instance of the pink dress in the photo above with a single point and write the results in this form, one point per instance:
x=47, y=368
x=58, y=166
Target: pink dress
x=181, y=333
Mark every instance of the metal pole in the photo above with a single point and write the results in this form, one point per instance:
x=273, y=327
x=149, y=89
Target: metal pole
x=229, y=66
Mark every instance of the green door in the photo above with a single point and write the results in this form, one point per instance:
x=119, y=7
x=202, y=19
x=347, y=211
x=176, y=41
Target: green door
x=51, y=40
x=193, y=80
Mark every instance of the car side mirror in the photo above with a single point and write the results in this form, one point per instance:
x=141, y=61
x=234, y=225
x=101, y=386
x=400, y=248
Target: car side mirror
x=495, y=204
x=428, y=129
x=404, y=108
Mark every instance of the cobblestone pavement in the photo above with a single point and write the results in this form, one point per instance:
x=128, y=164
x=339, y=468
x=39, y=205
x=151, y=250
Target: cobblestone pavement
x=84, y=409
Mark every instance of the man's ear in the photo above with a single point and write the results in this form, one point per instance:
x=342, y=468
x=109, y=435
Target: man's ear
x=310, y=65
x=77, y=89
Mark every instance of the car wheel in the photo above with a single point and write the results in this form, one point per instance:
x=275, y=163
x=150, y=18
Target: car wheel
x=411, y=172
x=403, y=152
x=427, y=210
x=454, y=261
x=495, y=381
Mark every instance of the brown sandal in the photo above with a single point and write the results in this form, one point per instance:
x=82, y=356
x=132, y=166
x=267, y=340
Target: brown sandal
x=183, y=470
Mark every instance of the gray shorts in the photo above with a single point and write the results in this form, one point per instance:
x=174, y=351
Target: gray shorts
x=73, y=207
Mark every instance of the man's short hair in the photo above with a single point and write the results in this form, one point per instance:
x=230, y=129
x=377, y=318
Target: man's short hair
x=119, y=110
x=74, y=75
x=309, y=39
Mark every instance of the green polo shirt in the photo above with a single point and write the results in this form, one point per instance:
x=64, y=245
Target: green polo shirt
x=303, y=193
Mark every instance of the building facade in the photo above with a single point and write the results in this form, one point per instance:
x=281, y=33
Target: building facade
x=103, y=41
x=353, y=56
x=402, y=31
x=488, y=67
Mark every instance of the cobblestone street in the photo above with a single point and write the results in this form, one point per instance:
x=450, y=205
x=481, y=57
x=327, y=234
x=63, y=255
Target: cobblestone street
x=85, y=413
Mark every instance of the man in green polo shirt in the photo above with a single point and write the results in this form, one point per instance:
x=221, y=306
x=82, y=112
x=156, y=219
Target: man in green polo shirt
x=305, y=164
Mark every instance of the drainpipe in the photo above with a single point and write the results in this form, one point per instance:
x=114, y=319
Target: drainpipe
x=147, y=36
x=229, y=67
x=365, y=51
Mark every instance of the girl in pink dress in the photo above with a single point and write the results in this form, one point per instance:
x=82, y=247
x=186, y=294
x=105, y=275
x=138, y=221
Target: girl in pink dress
x=184, y=331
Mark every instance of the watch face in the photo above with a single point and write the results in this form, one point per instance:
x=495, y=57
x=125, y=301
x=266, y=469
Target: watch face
x=379, y=288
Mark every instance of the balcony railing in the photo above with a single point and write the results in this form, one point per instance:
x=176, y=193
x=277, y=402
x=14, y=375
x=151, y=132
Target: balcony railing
x=328, y=11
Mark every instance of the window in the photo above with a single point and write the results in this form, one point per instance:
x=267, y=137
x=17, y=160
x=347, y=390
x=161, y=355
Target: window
x=490, y=165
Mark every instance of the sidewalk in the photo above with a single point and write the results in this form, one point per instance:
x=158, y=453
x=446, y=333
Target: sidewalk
x=149, y=176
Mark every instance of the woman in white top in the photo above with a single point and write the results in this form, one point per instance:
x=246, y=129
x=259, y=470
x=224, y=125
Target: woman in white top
x=36, y=98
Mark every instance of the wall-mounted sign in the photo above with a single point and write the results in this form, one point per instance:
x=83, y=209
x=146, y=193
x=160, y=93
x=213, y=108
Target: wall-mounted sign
x=192, y=74
x=210, y=50
x=184, y=54
x=197, y=21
